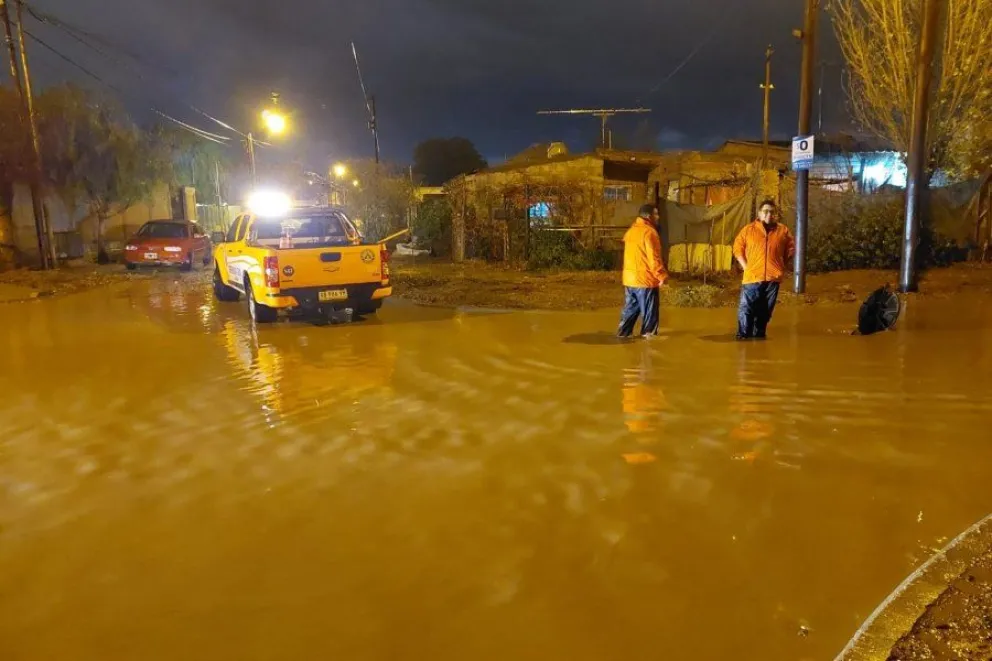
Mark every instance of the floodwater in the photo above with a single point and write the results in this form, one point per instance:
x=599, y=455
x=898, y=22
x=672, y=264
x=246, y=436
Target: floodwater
x=460, y=485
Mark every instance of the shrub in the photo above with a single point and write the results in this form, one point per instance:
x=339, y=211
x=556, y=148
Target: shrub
x=432, y=227
x=866, y=232
x=560, y=250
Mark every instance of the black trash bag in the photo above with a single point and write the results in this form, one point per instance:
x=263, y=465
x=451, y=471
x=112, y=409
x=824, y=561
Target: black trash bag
x=879, y=312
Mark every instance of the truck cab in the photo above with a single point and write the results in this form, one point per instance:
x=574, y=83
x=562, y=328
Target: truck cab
x=306, y=259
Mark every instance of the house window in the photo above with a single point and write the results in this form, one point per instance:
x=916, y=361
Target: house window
x=617, y=193
x=540, y=214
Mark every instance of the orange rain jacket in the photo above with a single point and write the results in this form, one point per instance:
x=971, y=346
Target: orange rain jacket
x=643, y=265
x=765, y=253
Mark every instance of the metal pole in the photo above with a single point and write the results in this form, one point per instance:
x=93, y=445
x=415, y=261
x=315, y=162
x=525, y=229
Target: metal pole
x=15, y=73
x=767, y=114
x=22, y=82
x=805, y=118
x=251, y=159
x=916, y=181
x=220, y=200
x=374, y=126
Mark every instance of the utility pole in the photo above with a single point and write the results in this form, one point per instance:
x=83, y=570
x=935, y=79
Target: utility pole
x=808, y=36
x=374, y=127
x=768, y=87
x=250, y=142
x=369, y=106
x=22, y=81
x=220, y=200
x=916, y=182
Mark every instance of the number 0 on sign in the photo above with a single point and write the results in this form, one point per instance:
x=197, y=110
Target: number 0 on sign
x=802, y=152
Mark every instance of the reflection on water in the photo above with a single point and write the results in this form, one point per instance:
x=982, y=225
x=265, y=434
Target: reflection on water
x=450, y=485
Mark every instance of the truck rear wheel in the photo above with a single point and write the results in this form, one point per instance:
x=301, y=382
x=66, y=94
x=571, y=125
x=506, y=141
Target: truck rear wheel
x=260, y=314
x=367, y=308
x=221, y=291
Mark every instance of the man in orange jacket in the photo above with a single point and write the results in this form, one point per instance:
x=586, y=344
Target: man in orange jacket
x=643, y=273
x=763, y=249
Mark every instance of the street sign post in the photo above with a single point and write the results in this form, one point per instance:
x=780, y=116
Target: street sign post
x=802, y=152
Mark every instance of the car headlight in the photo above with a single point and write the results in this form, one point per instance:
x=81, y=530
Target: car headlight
x=173, y=249
x=130, y=247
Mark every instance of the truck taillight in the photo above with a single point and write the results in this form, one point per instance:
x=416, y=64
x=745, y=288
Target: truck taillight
x=271, y=265
x=384, y=257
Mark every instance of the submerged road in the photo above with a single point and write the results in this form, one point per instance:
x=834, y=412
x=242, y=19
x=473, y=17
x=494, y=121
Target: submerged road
x=439, y=484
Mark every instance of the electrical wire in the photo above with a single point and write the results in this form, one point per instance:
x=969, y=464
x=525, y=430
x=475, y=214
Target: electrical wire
x=206, y=135
x=84, y=38
x=692, y=54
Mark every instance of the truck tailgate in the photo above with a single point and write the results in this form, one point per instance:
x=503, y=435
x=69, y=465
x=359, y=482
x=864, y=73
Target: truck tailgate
x=329, y=267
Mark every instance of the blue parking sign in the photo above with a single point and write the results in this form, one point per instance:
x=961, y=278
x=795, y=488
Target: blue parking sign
x=802, y=152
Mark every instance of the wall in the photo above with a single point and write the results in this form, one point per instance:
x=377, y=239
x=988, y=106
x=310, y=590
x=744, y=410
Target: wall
x=62, y=219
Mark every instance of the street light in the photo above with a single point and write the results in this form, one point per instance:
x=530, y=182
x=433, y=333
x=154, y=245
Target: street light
x=275, y=124
x=340, y=170
x=274, y=121
x=355, y=183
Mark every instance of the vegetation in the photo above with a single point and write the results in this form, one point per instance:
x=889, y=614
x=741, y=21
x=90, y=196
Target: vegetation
x=196, y=162
x=439, y=160
x=879, y=40
x=432, y=227
x=549, y=249
x=92, y=153
x=382, y=201
x=112, y=165
x=866, y=232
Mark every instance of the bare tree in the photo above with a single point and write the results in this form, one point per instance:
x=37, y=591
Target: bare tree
x=879, y=39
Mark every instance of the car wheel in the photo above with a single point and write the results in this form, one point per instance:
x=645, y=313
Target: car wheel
x=206, y=258
x=130, y=266
x=187, y=265
x=221, y=291
x=260, y=314
x=367, y=309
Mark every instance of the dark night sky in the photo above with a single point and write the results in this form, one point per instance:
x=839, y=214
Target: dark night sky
x=476, y=68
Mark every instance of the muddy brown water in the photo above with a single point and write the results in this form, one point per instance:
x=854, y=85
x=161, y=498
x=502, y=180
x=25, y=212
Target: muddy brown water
x=437, y=484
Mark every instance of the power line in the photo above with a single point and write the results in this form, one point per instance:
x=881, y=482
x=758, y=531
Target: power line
x=206, y=135
x=85, y=40
x=688, y=58
x=84, y=36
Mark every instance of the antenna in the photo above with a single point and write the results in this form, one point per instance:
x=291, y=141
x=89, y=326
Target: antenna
x=602, y=113
x=369, y=103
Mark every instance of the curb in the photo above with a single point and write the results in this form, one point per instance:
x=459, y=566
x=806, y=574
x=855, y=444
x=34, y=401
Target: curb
x=896, y=615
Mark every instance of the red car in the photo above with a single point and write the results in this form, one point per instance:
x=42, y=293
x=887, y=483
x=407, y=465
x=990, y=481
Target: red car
x=168, y=243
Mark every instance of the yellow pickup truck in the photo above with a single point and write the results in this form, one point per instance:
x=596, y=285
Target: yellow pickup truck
x=306, y=259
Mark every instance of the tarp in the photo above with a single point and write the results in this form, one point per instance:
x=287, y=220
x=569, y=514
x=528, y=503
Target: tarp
x=698, y=238
x=716, y=225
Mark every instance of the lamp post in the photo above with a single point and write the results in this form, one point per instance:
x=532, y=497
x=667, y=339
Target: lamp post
x=275, y=124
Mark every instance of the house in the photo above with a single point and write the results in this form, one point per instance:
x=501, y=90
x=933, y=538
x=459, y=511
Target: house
x=593, y=195
x=841, y=162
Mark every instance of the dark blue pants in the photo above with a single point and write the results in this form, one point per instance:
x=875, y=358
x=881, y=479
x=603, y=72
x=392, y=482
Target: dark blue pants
x=756, y=307
x=639, y=302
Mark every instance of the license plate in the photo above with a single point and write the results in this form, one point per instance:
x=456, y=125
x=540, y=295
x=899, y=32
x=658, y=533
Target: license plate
x=333, y=295
x=151, y=255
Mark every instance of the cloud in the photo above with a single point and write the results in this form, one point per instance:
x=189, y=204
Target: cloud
x=475, y=68
x=669, y=138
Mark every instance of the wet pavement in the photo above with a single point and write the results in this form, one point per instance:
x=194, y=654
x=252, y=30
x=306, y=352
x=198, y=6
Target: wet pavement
x=441, y=484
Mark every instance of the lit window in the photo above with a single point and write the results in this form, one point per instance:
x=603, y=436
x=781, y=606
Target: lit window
x=540, y=210
x=617, y=193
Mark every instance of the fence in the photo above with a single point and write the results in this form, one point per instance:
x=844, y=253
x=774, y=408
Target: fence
x=548, y=222
x=213, y=218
